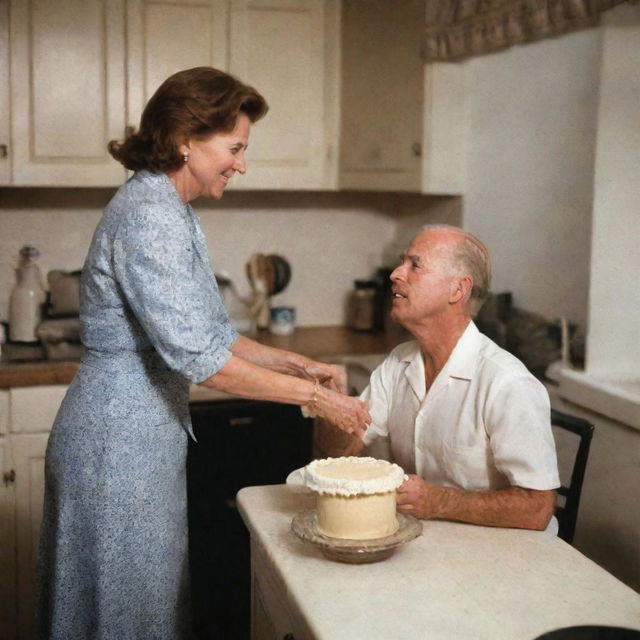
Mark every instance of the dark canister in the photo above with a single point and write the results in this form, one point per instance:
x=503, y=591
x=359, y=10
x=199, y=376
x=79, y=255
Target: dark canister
x=364, y=304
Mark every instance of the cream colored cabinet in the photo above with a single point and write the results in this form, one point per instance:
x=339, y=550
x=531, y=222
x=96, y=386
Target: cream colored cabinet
x=402, y=121
x=278, y=46
x=288, y=50
x=272, y=616
x=67, y=91
x=8, y=582
x=28, y=451
x=26, y=416
x=165, y=36
x=5, y=167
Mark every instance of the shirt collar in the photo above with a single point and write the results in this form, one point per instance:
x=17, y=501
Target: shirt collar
x=462, y=362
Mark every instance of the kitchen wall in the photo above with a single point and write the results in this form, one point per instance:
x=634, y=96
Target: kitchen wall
x=329, y=238
x=614, y=331
x=532, y=118
x=550, y=175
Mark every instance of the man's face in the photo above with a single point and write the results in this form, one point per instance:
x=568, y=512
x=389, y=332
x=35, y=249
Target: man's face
x=424, y=281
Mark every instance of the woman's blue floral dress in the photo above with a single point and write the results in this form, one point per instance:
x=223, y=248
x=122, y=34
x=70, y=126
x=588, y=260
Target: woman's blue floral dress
x=113, y=555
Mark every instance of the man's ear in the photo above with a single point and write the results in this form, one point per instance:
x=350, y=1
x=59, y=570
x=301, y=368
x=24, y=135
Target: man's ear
x=461, y=289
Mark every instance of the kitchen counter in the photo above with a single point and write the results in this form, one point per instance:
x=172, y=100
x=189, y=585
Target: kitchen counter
x=455, y=581
x=314, y=342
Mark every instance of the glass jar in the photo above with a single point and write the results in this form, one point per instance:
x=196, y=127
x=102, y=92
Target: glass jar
x=363, y=305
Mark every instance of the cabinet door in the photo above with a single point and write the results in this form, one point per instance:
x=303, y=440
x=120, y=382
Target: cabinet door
x=28, y=453
x=166, y=36
x=5, y=412
x=382, y=95
x=239, y=443
x=5, y=167
x=445, y=128
x=33, y=409
x=278, y=46
x=8, y=600
x=67, y=91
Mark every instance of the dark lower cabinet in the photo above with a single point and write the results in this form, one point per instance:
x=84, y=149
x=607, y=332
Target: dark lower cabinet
x=240, y=443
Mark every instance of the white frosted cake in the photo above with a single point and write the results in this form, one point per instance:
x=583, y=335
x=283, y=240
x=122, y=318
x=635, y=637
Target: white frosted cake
x=356, y=496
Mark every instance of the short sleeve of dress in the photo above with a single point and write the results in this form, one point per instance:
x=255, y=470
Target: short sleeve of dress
x=519, y=429
x=164, y=272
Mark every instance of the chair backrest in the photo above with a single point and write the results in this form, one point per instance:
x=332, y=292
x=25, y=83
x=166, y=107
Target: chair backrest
x=567, y=513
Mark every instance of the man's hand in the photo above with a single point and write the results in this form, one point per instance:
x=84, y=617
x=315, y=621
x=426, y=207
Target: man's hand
x=416, y=498
x=514, y=507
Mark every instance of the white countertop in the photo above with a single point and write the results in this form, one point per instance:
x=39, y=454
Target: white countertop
x=455, y=581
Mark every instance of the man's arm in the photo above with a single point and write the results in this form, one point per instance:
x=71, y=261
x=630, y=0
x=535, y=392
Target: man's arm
x=514, y=507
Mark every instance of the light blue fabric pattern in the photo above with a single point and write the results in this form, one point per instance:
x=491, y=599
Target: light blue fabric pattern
x=113, y=554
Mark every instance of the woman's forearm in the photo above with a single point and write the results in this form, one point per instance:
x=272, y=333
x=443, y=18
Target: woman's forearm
x=290, y=363
x=243, y=377
x=269, y=357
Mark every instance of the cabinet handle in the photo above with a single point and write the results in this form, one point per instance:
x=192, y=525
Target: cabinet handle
x=240, y=422
x=9, y=477
x=4, y=150
x=416, y=148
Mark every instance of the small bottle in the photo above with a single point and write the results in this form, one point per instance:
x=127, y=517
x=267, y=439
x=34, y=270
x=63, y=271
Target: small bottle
x=363, y=305
x=27, y=298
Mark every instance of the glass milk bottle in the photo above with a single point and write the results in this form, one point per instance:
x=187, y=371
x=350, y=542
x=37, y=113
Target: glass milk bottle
x=27, y=298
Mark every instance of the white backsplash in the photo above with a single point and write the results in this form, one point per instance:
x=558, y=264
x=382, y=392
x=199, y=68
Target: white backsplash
x=330, y=239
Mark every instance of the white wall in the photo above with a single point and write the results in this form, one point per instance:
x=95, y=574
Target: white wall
x=553, y=155
x=532, y=116
x=613, y=347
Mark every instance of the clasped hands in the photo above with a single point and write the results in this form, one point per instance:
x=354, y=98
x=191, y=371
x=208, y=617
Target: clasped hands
x=346, y=412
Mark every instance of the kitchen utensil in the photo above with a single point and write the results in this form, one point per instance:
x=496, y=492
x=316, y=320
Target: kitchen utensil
x=267, y=275
x=282, y=270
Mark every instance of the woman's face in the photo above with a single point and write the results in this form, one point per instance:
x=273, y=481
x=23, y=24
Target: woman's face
x=212, y=162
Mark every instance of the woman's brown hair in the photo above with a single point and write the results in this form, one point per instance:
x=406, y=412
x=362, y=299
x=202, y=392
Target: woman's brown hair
x=193, y=103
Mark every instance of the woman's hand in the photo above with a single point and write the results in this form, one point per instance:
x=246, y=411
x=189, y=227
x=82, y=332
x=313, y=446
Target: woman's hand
x=329, y=375
x=345, y=412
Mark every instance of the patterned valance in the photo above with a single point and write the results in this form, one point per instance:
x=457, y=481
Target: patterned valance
x=459, y=28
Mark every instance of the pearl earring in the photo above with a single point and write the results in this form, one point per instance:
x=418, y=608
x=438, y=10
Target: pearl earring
x=185, y=157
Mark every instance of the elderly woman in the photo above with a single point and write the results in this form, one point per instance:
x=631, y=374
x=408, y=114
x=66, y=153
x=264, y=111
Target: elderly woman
x=113, y=557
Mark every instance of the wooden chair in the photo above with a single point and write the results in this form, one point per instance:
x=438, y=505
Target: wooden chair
x=569, y=495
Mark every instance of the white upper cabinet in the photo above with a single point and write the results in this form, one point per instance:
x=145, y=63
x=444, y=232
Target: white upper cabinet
x=5, y=167
x=399, y=116
x=382, y=96
x=351, y=103
x=67, y=91
x=166, y=36
x=278, y=46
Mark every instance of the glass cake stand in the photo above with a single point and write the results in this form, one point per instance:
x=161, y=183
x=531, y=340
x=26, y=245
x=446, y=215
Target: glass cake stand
x=305, y=526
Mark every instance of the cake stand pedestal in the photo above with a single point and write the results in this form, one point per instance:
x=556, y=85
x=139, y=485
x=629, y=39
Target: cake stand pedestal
x=305, y=526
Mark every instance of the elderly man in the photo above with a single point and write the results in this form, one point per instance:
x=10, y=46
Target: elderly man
x=464, y=417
